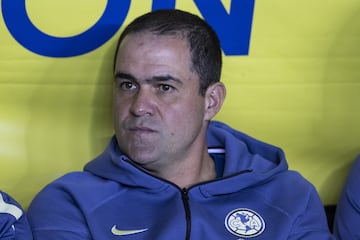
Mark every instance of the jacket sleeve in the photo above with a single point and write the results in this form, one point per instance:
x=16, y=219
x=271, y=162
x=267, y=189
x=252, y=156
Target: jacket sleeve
x=312, y=223
x=53, y=214
x=13, y=221
x=347, y=217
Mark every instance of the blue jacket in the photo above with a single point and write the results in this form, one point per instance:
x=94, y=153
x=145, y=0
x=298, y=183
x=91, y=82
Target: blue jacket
x=255, y=196
x=13, y=221
x=347, y=217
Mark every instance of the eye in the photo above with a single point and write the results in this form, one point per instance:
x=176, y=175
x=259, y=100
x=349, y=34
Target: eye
x=127, y=85
x=165, y=88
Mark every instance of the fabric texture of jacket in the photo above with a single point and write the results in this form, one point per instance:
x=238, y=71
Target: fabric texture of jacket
x=255, y=196
x=13, y=221
x=347, y=217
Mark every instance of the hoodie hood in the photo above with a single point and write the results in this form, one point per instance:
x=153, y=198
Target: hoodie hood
x=247, y=161
x=244, y=152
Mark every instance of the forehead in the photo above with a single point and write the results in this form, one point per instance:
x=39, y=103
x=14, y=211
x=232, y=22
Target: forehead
x=147, y=50
x=148, y=35
x=146, y=44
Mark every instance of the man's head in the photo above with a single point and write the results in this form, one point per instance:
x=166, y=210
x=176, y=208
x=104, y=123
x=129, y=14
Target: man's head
x=206, y=55
x=160, y=116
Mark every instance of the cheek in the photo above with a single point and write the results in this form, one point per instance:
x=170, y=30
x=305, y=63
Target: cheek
x=187, y=124
x=119, y=110
x=120, y=103
x=196, y=107
x=188, y=114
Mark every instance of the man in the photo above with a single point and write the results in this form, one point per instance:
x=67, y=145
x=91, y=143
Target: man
x=347, y=216
x=170, y=172
x=13, y=222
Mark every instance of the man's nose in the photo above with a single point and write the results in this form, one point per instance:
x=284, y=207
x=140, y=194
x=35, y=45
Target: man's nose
x=143, y=103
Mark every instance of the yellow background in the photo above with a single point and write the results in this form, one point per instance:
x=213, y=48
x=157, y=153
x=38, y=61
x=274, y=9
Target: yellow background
x=298, y=89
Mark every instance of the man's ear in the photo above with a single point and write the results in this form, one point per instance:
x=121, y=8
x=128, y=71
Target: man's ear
x=214, y=98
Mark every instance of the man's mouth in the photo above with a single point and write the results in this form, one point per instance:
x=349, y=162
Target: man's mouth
x=141, y=129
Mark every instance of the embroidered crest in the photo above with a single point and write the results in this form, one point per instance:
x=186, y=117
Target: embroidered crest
x=245, y=223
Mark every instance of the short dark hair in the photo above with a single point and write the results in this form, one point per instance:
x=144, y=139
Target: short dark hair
x=204, y=44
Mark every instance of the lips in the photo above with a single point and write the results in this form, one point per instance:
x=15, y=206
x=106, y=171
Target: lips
x=141, y=129
x=139, y=125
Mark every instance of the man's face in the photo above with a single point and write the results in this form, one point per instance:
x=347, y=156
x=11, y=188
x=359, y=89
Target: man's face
x=159, y=114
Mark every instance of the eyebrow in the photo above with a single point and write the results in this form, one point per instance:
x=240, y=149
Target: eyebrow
x=159, y=78
x=124, y=76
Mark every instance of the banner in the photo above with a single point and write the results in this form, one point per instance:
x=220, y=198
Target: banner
x=290, y=68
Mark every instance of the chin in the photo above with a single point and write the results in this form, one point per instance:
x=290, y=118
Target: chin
x=142, y=159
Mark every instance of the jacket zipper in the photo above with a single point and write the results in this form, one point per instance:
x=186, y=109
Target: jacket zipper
x=185, y=199
x=185, y=194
